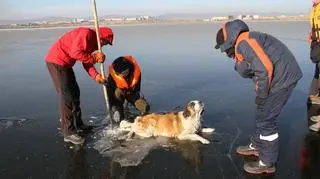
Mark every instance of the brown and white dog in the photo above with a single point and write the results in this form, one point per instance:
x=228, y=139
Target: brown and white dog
x=183, y=125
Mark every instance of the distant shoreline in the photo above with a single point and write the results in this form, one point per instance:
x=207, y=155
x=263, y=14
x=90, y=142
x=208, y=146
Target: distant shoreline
x=173, y=22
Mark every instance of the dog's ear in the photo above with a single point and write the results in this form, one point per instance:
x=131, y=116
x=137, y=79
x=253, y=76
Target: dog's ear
x=186, y=112
x=192, y=104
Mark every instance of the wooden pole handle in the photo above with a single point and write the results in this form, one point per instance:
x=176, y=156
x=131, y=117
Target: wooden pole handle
x=100, y=50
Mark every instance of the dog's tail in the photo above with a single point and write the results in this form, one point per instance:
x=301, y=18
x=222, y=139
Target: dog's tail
x=125, y=124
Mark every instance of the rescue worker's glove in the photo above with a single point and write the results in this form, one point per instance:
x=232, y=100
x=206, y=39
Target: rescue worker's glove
x=260, y=100
x=100, y=80
x=119, y=94
x=99, y=57
x=142, y=105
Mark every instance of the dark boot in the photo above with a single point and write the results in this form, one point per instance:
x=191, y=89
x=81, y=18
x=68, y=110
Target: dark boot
x=257, y=168
x=84, y=128
x=247, y=150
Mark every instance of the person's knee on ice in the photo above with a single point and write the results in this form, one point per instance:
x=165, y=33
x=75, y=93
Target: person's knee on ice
x=124, y=82
x=117, y=114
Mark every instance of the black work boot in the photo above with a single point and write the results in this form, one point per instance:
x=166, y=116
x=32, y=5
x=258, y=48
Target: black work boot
x=247, y=150
x=84, y=129
x=258, y=168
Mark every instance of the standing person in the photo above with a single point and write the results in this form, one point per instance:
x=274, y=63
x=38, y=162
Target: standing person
x=75, y=45
x=314, y=38
x=275, y=71
x=124, y=83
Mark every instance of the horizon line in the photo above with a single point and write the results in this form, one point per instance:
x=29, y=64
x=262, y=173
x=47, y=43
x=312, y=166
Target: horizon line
x=161, y=14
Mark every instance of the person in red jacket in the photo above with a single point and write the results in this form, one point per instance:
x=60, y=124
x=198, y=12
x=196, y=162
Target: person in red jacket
x=80, y=45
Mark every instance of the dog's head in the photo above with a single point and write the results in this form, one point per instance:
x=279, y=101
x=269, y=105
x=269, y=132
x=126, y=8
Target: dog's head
x=194, y=109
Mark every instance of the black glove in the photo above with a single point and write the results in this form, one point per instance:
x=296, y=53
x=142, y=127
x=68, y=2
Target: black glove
x=259, y=100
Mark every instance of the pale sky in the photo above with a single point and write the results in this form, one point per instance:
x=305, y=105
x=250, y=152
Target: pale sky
x=24, y=9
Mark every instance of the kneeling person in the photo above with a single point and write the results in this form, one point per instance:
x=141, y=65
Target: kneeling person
x=124, y=82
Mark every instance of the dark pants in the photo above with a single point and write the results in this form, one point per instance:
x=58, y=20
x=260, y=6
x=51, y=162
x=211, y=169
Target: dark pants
x=116, y=103
x=266, y=132
x=315, y=84
x=118, y=99
x=68, y=92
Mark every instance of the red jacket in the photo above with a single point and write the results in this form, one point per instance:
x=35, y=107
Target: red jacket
x=77, y=45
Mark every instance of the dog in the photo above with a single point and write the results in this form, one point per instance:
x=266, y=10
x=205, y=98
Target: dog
x=183, y=125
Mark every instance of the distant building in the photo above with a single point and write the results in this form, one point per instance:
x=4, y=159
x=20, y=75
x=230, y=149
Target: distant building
x=92, y=20
x=268, y=17
x=256, y=17
x=113, y=19
x=131, y=19
x=60, y=22
x=144, y=18
x=248, y=17
x=37, y=22
x=76, y=20
x=241, y=16
x=40, y=22
x=221, y=18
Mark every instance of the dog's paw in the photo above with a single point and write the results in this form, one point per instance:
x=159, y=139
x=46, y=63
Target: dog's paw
x=207, y=130
x=205, y=141
x=125, y=124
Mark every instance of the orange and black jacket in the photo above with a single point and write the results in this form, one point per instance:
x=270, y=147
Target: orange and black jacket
x=262, y=57
x=130, y=88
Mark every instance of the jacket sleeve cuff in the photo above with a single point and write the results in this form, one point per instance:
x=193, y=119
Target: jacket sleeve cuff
x=93, y=74
x=92, y=60
x=90, y=70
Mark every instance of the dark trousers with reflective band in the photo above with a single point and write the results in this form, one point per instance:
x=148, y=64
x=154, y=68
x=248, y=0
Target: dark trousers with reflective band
x=315, y=84
x=68, y=92
x=266, y=138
